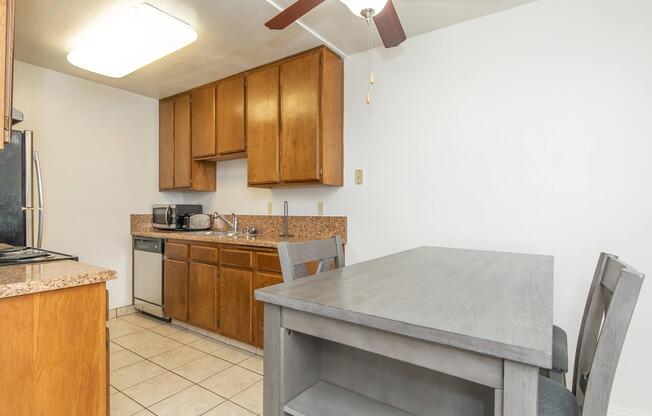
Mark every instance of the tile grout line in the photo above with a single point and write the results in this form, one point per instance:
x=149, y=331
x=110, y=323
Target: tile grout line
x=172, y=370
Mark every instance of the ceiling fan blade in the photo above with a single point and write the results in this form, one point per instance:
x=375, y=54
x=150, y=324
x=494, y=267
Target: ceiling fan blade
x=292, y=13
x=389, y=26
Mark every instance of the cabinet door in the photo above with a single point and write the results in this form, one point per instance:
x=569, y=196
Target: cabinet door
x=235, y=303
x=202, y=304
x=175, y=289
x=166, y=145
x=300, y=119
x=230, y=116
x=203, y=122
x=182, y=146
x=262, y=280
x=262, y=126
x=6, y=65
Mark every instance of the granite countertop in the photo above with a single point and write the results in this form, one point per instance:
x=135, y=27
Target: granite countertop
x=258, y=240
x=24, y=279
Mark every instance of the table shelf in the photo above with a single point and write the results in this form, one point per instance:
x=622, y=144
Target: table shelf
x=325, y=399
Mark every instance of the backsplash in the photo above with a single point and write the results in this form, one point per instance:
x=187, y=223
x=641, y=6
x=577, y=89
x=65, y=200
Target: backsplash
x=300, y=226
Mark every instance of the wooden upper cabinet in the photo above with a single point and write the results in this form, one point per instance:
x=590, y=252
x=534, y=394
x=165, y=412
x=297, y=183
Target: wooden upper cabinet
x=263, y=126
x=166, y=144
x=299, y=83
x=203, y=122
x=230, y=126
x=182, y=144
x=177, y=170
x=6, y=65
x=286, y=117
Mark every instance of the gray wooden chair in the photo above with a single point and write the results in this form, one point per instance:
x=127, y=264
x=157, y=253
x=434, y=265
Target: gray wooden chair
x=560, y=338
x=607, y=314
x=295, y=257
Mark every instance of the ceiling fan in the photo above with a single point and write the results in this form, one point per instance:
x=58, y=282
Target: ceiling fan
x=382, y=12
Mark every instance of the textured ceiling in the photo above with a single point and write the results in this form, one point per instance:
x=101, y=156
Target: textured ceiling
x=232, y=35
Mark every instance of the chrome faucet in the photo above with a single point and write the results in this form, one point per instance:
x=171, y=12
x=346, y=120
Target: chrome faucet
x=233, y=225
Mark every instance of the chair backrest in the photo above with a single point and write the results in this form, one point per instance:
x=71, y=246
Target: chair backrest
x=609, y=308
x=295, y=257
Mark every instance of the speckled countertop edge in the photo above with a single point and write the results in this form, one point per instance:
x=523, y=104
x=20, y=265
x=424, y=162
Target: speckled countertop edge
x=25, y=279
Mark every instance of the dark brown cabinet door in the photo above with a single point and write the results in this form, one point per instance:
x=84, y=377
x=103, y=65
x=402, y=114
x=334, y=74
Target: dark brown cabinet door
x=263, y=126
x=6, y=65
x=231, y=116
x=235, y=303
x=166, y=145
x=203, y=122
x=202, y=302
x=175, y=289
x=182, y=146
x=300, y=83
x=262, y=280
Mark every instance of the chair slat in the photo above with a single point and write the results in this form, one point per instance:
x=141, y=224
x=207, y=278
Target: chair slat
x=294, y=257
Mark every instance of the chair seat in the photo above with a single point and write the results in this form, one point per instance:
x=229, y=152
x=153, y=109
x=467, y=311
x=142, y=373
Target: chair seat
x=559, y=350
x=555, y=399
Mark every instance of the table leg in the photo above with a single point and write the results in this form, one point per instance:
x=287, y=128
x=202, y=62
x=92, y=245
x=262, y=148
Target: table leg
x=272, y=361
x=520, y=389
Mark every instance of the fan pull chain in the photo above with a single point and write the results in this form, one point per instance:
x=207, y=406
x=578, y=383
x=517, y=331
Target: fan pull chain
x=371, y=81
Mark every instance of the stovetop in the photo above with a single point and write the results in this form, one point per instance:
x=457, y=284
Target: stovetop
x=11, y=255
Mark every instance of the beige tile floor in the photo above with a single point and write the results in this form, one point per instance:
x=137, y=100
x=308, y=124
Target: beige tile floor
x=165, y=370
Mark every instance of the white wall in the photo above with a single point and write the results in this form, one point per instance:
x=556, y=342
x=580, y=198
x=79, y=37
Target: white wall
x=99, y=154
x=528, y=130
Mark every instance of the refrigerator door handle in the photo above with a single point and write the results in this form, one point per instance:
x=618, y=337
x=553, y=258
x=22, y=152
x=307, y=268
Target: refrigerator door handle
x=39, y=185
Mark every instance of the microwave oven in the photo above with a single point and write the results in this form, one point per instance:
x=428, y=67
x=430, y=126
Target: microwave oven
x=174, y=216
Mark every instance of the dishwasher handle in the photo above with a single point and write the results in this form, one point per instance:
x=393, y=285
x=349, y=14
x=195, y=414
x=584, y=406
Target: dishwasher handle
x=152, y=245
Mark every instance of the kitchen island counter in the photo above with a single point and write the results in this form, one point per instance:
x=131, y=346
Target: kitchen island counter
x=23, y=279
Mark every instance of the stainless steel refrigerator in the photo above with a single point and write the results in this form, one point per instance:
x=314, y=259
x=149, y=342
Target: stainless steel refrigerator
x=21, y=221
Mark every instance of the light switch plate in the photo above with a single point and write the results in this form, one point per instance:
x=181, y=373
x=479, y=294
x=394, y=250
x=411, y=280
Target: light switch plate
x=269, y=208
x=359, y=176
x=320, y=207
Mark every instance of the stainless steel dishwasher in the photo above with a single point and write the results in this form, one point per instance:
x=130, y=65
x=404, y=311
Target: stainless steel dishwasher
x=148, y=276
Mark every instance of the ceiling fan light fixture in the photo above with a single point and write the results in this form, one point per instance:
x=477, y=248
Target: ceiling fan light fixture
x=359, y=7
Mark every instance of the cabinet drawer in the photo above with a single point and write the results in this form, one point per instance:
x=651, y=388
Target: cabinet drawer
x=268, y=262
x=204, y=254
x=235, y=258
x=176, y=251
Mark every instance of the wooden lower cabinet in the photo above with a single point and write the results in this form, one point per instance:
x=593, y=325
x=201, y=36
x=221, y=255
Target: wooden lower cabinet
x=203, y=296
x=53, y=358
x=262, y=280
x=211, y=286
x=236, y=286
x=175, y=289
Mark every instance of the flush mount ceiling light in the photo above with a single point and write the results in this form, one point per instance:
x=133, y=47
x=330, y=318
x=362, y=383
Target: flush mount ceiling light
x=139, y=37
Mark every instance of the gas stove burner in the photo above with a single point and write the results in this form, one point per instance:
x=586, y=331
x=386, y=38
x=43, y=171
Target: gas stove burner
x=14, y=255
x=18, y=254
x=11, y=249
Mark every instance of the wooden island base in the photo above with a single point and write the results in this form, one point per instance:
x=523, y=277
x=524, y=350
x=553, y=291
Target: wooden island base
x=53, y=354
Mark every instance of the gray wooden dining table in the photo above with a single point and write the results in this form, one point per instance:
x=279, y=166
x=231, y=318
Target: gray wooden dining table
x=427, y=331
